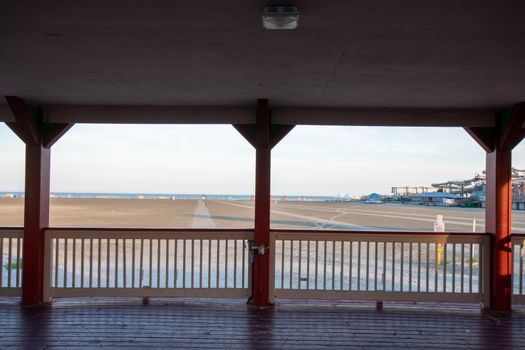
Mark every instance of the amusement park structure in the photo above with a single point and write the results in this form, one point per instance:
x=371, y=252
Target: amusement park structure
x=473, y=188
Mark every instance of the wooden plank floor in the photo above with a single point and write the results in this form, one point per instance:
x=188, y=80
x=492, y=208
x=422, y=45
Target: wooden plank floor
x=219, y=325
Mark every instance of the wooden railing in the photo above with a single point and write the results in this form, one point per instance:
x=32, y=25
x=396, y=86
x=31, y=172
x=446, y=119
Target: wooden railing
x=380, y=266
x=11, y=261
x=147, y=262
x=518, y=275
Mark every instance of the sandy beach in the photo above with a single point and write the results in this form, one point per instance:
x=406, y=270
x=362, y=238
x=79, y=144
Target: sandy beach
x=113, y=212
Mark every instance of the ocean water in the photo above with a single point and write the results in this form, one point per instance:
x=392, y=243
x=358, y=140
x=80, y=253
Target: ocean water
x=232, y=197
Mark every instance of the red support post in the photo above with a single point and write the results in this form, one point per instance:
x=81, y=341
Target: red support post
x=498, y=142
x=38, y=137
x=498, y=204
x=36, y=219
x=261, y=264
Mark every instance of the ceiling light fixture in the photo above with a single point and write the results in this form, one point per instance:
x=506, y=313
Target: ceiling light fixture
x=280, y=17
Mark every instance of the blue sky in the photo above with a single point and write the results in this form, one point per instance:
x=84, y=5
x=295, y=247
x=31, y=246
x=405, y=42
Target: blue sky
x=216, y=159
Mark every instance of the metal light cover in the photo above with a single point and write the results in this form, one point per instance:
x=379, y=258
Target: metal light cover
x=280, y=17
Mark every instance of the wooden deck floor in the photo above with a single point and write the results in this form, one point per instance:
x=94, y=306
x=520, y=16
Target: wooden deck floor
x=236, y=326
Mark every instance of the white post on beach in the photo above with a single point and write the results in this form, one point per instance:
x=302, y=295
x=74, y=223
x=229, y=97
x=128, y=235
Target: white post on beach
x=473, y=224
x=439, y=225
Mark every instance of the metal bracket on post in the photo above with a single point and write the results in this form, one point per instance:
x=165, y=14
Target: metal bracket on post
x=255, y=249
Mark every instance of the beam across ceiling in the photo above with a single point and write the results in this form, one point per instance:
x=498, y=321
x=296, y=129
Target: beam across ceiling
x=383, y=117
x=150, y=114
x=280, y=115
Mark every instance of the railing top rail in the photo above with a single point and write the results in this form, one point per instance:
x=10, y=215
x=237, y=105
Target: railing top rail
x=375, y=236
x=11, y=228
x=11, y=232
x=148, y=233
x=143, y=229
x=392, y=233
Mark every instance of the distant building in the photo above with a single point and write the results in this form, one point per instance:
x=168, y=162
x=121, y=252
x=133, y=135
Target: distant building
x=437, y=198
x=374, y=198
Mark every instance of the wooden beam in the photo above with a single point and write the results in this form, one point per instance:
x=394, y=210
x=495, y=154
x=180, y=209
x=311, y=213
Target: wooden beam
x=280, y=115
x=261, y=265
x=485, y=137
x=27, y=120
x=53, y=132
x=150, y=114
x=512, y=132
x=383, y=117
x=6, y=116
x=278, y=132
x=249, y=132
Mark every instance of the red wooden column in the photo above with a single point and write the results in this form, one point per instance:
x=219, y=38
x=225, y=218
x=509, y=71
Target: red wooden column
x=498, y=198
x=38, y=137
x=261, y=263
x=498, y=142
x=263, y=136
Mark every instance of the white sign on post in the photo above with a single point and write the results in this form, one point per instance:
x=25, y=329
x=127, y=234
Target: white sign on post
x=439, y=225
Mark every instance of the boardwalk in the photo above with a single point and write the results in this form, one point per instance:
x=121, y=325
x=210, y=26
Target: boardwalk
x=185, y=324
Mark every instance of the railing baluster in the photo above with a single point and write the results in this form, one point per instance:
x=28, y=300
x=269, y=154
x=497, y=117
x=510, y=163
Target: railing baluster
x=351, y=266
x=108, y=259
x=308, y=265
x=141, y=264
x=218, y=260
x=234, y=263
x=462, y=266
x=367, y=264
x=384, y=266
x=158, y=262
x=445, y=248
x=116, y=262
x=74, y=267
x=480, y=270
x=200, y=262
x=520, y=274
x=225, y=265
x=17, y=262
x=401, y=268
x=184, y=263
x=300, y=264
x=2, y=263
x=324, y=265
x=282, y=262
x=410, y=267
x=359, y=265
x=453, y=267
x=65, y=262
x=419, y=267
x=436, y=267
x=393, y=265
x=124, y=265
x=316, y=262
x=471, y=261
x=99, y=258
x=150, y=279
x=175, y=261
x=167, y=264
x=209, y=264
x=133, y=247
x=427, y=267
x=91, y=263
x=375, y=265
x=291, y=263
x=244, y=263
x=333, y=265
x=9, y=253
x=82, y=245
x=341, y=273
